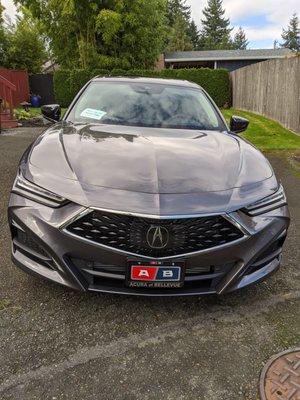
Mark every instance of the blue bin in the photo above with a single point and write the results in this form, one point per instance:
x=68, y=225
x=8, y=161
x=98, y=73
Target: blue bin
x=35, y=101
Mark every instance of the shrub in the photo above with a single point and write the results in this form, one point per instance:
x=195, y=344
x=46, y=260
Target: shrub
x=215, y=81
x=118, y=72
x=99, y=72
x=78, y=78
x=62, y=87
x=110, y=63
x=22, y=114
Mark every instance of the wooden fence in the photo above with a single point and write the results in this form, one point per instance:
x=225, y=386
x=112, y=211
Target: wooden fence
x=19, y=78
x=270, y=88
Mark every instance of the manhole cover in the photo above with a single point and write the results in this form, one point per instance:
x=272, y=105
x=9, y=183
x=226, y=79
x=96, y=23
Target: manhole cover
x=280, y=378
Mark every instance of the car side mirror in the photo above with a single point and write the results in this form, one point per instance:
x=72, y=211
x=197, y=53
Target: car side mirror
x=238, y=124
x=51, y=112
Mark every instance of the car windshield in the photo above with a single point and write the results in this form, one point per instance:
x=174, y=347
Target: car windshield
x=146, y=105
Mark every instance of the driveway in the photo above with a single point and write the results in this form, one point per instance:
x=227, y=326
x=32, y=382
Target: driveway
x=59, y=344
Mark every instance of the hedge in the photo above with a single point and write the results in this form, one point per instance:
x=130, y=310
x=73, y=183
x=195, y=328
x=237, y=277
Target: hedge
x=215, y=81
x=62, y=87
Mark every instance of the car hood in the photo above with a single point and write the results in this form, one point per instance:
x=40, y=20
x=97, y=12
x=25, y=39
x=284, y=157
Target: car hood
x=136, y=162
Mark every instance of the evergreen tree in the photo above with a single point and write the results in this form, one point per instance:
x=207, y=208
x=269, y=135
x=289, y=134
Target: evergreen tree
x=240, y=41
x=176, y=7
x=194, y=35
x=180, y=24
x=178, y=39
x=182, y=35
x=291, y=35
x=216, y=29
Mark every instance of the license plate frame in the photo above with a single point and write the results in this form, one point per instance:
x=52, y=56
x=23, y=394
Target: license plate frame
x=164, y=280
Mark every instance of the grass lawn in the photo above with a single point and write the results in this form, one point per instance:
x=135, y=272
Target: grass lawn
x=265, y=133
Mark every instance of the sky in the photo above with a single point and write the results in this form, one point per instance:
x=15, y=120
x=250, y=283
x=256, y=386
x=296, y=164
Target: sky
x=262, y=20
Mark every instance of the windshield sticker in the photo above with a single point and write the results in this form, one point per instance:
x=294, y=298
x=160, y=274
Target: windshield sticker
x=92, y=113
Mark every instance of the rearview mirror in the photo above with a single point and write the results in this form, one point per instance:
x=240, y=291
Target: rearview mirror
x=51, y=112
x=238, y=124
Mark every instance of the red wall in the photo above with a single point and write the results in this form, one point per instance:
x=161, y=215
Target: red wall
x=20, y=79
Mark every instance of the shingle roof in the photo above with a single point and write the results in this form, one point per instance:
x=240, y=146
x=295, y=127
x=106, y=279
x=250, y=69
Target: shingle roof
x=215, y=55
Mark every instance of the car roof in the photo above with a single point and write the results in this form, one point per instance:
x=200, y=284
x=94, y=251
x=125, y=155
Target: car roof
x=139, y=79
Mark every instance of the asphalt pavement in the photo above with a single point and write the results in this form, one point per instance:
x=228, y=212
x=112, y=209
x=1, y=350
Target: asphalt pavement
x=56, y=343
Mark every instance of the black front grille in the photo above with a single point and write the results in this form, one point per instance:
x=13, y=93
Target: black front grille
x=139, y=235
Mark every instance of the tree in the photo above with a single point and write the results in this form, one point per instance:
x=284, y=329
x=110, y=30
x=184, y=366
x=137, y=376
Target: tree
x=133, y=31
x=182, y=30
x=2, y=34
x=215, y=33
x=176, y=7
x=194, y=35
x=21, y=45
x=179, y=40
x=102, y=33
x=25, y=48
x=2, y=8
x=240, y=41
x=291, y=35
x=3, y=39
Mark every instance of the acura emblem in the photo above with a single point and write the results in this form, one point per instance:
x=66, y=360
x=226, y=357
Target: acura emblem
x=157, y=237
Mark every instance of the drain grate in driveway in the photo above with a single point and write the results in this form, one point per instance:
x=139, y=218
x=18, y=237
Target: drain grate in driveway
x=280, y=378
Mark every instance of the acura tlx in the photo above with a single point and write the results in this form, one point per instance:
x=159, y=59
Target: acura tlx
x=142, y=188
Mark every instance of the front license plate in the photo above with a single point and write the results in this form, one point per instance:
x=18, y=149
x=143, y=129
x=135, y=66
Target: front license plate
x=155, y=274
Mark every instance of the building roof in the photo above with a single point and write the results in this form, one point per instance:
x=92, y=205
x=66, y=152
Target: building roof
x=49, y=66
x=218, y=55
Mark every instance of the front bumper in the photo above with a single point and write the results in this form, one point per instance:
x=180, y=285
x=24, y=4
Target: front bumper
x=41, y=247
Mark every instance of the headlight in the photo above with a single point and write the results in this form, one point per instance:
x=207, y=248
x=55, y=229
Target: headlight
x=34, y=192
x=267, y=204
